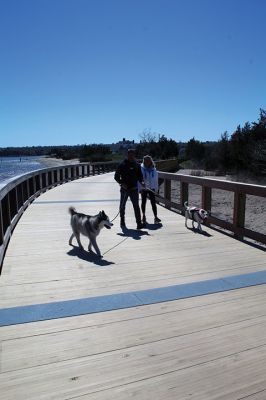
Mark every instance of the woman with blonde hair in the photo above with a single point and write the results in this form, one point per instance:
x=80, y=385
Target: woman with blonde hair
x=150, y=178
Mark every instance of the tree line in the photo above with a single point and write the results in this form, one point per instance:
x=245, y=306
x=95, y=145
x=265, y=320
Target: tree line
x=24, y=151
x=244, y=150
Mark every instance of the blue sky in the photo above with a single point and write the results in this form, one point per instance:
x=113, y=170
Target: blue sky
x=96, y=71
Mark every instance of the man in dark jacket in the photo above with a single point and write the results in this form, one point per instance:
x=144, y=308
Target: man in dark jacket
x=128, y=174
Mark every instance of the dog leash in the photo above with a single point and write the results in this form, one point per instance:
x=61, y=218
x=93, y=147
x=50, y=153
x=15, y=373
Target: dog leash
x=124, y=201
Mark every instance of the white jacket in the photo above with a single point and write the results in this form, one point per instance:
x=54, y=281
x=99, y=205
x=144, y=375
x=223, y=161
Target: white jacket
x=150, y=177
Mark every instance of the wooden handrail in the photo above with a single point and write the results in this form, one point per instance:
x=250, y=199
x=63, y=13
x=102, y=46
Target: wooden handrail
x=240, y=191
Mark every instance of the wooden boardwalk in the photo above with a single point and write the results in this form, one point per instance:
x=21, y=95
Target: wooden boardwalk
x=200, y=347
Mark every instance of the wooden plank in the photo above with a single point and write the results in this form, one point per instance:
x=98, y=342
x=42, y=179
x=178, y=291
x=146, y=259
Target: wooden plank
x=179, y=352
x=101, y=338
x=64, y=324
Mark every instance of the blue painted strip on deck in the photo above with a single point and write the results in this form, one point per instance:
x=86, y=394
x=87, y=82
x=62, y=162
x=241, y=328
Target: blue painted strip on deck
x=74, y=201
x=70, y=308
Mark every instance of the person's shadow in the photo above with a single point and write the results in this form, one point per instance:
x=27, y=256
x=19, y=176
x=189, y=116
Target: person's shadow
x=88, y=256
x=154, y=227
x=135, y=234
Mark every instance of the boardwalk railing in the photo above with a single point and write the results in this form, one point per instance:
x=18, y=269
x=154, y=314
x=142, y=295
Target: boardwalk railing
x=19, y=192
x=239, y=190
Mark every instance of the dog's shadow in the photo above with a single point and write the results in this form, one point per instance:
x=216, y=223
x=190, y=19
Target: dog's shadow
x=88, y=256
x=203, y=233
x=133, y=233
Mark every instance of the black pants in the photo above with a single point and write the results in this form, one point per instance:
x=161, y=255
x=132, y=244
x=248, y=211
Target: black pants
x=151, y=195
x=133, y=194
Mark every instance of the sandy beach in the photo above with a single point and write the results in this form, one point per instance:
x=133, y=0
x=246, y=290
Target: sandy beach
x=56, y=162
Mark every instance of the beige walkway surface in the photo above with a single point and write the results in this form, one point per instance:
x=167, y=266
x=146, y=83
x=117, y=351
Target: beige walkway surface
x=208, y=347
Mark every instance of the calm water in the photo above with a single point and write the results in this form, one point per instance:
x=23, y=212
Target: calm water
x=14, y=166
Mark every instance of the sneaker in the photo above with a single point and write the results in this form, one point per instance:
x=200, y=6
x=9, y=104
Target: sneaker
x=157, y=220
x=140, y=225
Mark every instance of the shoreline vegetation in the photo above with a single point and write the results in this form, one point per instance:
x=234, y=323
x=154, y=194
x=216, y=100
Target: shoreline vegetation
x=241, y=154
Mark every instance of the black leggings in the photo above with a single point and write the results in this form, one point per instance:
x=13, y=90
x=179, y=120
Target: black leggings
x=144, y=195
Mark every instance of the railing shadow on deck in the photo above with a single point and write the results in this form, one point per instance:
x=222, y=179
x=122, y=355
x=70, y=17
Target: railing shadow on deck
x=19, y=192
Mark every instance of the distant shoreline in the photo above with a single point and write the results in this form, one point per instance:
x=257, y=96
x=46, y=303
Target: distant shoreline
x=56, y=162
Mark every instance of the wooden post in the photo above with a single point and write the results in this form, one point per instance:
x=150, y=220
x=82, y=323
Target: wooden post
x=20, y=196
x=38, y=182
x=73, y=173
x=1, y=227
x=206, y=198
x=183, y=195
x=31, y=184
x=26, y=190
x=87, y=170
x=167, y=192
x=239, y=212
x=44, y=180
x=13, y=203
x=67, y=174
x=55, y=176
x=6, y=213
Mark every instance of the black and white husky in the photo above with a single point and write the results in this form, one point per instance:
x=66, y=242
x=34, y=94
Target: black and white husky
x=195, y=214
x=89, y=226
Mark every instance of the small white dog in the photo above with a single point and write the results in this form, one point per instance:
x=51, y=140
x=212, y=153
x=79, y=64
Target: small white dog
x=196, y=215
x=89, y=226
